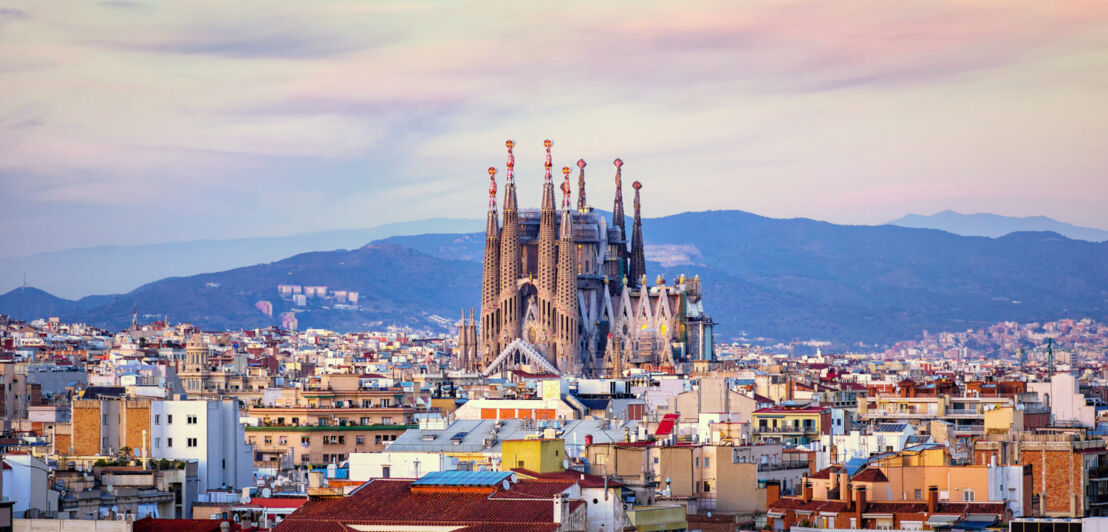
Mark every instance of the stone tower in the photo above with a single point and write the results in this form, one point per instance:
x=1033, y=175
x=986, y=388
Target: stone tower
x=581, y=204
x=467, y=343
x=638, y=260
x=547, y=266
x=510, y=260
x=567, y=333
x=619, y=223
x=490, y=281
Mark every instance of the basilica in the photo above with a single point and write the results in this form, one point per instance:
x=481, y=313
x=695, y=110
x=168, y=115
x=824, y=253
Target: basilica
x=562, y=292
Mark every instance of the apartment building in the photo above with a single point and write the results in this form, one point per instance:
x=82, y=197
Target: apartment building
x=206, y=431
x=791, y=424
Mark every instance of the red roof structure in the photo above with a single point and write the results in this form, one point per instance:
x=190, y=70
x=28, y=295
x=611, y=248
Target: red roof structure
x=665, y=427
x=526, y=505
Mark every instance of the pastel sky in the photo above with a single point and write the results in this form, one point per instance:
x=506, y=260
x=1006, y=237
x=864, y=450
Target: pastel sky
x=138, y=122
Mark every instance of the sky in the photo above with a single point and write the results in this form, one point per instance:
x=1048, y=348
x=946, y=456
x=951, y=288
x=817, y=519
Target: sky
x=131, y=122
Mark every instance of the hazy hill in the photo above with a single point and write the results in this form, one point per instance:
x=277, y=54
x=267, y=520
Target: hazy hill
x=76, y=273
x=396, y=286
x=995, y=225
x=786, y=279
x=804, y=278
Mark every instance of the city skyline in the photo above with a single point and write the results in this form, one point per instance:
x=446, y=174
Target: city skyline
x=131, y=123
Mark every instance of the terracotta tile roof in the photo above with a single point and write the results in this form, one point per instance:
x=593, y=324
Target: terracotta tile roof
x=825, y=473
x=870, y=474
x=149, y=524
x=392, y=502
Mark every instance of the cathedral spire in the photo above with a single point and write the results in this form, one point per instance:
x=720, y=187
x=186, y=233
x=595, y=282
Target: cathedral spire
x=565, y=187
x=490, y=280
x=510, y=260
x=638, y=261
x=581, y=205
x=548, y=252
x=566, y=325
x=547, y=185
x=617, y=210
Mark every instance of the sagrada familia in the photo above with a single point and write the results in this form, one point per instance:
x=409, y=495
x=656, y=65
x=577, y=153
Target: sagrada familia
x=562, y=293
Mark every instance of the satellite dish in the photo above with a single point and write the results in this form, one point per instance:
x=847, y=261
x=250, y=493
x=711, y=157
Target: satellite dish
x=246, y=500
x=266, y=492
x=565, y=464
x=507, y=486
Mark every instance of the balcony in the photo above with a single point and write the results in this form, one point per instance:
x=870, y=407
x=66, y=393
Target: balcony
x=786, y=430
x=785, y=466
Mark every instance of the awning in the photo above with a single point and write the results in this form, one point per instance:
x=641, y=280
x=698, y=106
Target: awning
x=974, y=525
x=942, y=520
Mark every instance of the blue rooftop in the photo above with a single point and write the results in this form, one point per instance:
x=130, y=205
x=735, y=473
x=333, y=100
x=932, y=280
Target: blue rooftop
x=463, y=478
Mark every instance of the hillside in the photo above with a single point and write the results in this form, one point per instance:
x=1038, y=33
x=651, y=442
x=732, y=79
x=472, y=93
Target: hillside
x=801, y=278
x=995, y=225
x=78, y=272
x=396, y=286
x=784, y=279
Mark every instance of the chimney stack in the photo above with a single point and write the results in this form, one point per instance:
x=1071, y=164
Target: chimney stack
x=844, y=486
x=807, y=491
x=773, y=492
x=932, y=499
x=561, y=508
x=859, y=504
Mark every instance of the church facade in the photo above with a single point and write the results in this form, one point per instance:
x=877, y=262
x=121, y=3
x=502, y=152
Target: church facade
x=563, y=291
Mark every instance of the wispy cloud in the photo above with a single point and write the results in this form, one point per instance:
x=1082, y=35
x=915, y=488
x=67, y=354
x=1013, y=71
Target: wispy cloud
x=851, y=111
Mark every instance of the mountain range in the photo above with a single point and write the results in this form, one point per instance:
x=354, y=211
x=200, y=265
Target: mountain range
x=763, y=277
x=75, y=273
x=995, y=225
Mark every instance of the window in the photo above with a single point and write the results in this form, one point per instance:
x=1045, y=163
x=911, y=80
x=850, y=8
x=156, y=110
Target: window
x=157, y=419
x=386, y=420
x=169, y=418
x=601, y=459
x=359, y=440
x=385, y=471
x=157, y=443
x=707, y=486
x=191, y=442
x=697, y=461
x=169, y=442
x=305, y=440
x=269, y=440
x=918, y=494
x=377, y=439
x=707, y=463
x=655, y=459
x=283, y=440
x=967, y=495
x=191, y=420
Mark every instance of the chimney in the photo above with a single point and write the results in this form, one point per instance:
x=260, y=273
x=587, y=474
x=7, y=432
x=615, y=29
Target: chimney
x=844, y=486
x=561, y=508
x=834, y=477
x=773, y=492
x=932, y=499
x=859, y=504
x=807, y=491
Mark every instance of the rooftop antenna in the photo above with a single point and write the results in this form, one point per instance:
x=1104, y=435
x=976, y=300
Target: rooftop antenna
x=24, y=287
x=1023, y=358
